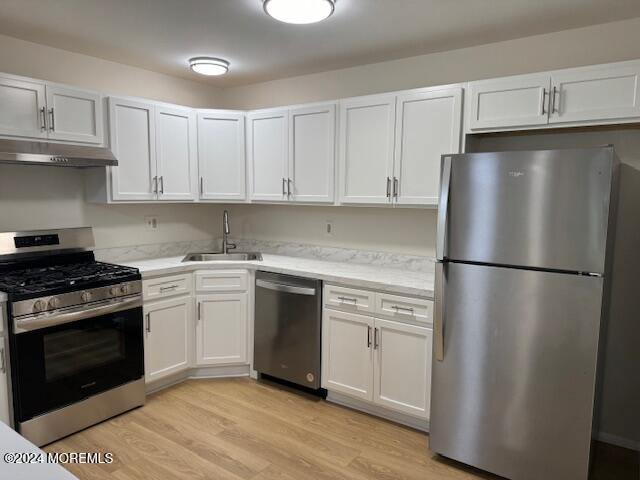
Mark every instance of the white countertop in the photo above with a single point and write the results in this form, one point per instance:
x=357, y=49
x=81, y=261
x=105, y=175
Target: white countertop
x=12, y=442
x=365, y=276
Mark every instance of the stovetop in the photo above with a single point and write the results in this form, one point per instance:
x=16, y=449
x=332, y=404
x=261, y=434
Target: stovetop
x=50, y=277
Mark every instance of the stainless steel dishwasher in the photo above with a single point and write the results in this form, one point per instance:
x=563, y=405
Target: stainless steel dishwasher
x=287, y=330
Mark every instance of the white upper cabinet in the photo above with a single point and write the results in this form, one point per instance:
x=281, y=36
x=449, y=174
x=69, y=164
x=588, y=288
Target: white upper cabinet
x=312, y=134
x=595, y=93
x=428, y=125
x=176, y=154
x=267, y=148
x=511, y=102
x=133, y=142
x=367, y=130
x=22, y=108
x=74, y=115
x=221, y=159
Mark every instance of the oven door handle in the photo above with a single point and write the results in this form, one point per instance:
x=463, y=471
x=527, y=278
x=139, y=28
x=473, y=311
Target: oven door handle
x=44, y=320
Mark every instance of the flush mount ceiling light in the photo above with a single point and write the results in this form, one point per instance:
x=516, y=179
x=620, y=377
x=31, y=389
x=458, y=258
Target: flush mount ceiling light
x=299, y=11
x=209, y=66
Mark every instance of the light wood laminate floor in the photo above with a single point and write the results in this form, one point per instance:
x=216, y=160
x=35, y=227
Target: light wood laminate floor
x=243, y=429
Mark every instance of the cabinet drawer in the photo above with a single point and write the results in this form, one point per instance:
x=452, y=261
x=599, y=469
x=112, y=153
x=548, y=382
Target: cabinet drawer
x=349, y=299
x=404, y=308
x=222, y=281
x=163, y=287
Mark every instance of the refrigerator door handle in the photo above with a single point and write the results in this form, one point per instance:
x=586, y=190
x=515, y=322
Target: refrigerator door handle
x=443, y=206
x=438, y=314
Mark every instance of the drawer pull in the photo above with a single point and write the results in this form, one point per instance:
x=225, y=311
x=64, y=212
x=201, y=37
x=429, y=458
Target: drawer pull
x=403, y=310
x=166, y=289
x=353, y=301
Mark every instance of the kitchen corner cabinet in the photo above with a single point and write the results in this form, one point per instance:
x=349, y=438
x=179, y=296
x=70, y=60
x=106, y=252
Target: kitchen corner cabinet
x=376, y=359
x=221, y=155
x=390, y=145
x=156, y=151
x=291, y=154
x=39, y=110
x=168, y=324
x=221, y=329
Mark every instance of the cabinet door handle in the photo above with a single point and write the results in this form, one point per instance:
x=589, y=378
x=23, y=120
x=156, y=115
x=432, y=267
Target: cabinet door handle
x=376, y=341
x=199, y=310
x=284, y=186
x=395, y=187
x=389, y=187
x=544, y=98
x=52, y=127
x=155, y=185
x=288, y=187
x=162, y=184
x=201, y=185
x=553, y=101
x=148, y=323
x=166, y=289
x=3, y=361
x=43, y=127
x=368, y=336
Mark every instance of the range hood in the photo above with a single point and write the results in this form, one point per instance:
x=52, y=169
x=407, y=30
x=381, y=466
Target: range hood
x=45, y=153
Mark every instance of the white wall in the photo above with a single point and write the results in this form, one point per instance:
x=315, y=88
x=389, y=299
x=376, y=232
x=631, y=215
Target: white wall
x=406, y=231
x=40, y=197
x=39, y=61
x=570, y=48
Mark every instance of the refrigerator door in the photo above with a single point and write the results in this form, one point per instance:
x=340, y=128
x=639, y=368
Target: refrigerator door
x=514, y=391
x=544, y=209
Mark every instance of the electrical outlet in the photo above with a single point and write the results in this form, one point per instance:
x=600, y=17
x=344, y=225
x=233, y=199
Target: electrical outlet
x=151, y=222
x=328, y=229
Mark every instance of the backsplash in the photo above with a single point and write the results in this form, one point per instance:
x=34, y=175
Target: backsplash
x=154, y=250
x=336, y=254
x=329, y=254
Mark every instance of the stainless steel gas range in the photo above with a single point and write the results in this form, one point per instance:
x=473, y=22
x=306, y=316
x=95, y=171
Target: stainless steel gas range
x=75, y=333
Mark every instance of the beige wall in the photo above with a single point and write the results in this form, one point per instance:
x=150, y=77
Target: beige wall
x=406, y=231
x=43, y=197
x=19, y=57
x=584, y=46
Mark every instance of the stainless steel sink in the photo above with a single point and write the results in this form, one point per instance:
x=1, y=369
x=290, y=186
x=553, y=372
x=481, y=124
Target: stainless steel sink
x=212, y=257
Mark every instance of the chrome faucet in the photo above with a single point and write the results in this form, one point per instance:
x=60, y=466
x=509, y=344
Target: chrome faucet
x=226, y=246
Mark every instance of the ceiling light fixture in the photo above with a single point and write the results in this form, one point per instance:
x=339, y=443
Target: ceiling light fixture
x=209, y=66
x=299, y=11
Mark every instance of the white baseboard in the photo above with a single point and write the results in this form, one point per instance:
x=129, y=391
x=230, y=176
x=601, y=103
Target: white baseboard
x=224, y=371
x=618, y=441
x=378, y=411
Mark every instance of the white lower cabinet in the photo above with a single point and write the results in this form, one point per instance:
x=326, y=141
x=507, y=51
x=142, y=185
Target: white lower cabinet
x=402, y=367
x=221, y=329
x=381, y=361
x=168, y=327
x=347, y=355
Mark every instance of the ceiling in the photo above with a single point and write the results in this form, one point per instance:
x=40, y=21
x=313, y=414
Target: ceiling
x=161, y=35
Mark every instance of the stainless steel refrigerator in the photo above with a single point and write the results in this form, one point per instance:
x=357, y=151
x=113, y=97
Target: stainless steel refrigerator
x=524, y=248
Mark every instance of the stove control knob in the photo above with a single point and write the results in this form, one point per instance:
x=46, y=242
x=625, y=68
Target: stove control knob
x=124, y=289
x=54, y=302
x=114, y=291
x=39, y=306
x=86, y=296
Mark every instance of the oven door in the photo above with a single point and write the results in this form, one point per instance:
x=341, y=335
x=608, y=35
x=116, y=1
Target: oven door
x=56, y=364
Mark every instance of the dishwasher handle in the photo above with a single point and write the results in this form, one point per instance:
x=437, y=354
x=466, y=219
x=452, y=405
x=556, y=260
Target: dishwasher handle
x=281, y=287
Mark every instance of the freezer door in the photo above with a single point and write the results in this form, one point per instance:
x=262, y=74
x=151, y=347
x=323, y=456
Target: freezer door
x=514, y=391
x=545, y=209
